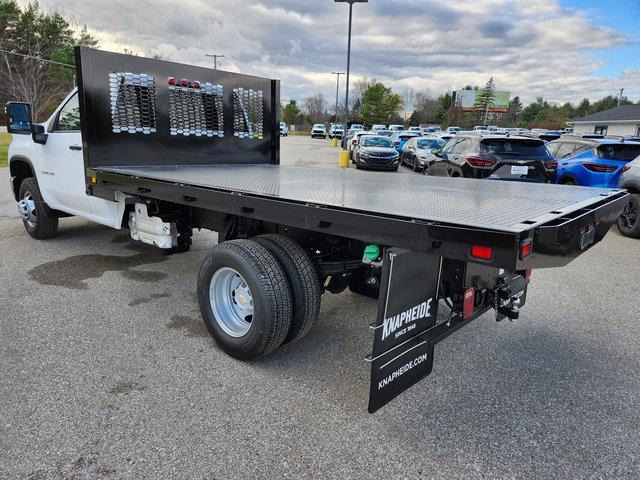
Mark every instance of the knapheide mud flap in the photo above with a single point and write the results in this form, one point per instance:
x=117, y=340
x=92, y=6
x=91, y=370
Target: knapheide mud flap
x=407, y=307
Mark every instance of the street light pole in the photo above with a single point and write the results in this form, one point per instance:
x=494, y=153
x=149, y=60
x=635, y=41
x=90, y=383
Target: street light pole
x=346, y=101
x=337, y=91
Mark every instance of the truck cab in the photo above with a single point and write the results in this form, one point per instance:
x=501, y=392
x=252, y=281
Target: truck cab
x=51, y=154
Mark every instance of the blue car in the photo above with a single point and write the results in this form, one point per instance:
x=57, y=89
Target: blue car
x=591, y=162
x=399, y=139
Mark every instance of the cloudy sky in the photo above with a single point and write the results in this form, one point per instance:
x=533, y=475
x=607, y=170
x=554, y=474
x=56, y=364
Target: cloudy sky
x=563, y=50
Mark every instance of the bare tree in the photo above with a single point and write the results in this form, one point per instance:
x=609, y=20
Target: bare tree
x=316, y=108
x=35, y=46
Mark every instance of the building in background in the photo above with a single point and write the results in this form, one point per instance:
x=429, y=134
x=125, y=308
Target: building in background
x=623, y=120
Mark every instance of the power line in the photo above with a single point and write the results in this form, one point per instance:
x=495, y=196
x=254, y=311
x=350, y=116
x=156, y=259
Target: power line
x=37, y=58
x=172, y=20
x=56, y=5
x=142, y=18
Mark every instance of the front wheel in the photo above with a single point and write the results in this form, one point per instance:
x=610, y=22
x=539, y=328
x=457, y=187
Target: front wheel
x=629, y=221
x=34, y=212
x=244, y=299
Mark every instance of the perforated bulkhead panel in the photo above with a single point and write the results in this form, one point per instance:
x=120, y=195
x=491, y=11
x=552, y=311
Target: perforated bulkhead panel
x=143, y=111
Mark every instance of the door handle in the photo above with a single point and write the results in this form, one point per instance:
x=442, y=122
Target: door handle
x=75, y=147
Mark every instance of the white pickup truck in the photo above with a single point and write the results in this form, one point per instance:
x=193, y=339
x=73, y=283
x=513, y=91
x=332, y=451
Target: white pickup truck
x=48, y=174
x=137, y=145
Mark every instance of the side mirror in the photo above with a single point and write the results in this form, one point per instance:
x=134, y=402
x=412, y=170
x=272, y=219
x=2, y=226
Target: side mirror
x=20, y=122
x=39, y=135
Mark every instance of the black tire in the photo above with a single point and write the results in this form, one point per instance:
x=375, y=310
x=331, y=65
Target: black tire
x=569, y=181
x=44, y=225
x=303, y=282
x=629, y=221
x=415, y=166
x=270, y=292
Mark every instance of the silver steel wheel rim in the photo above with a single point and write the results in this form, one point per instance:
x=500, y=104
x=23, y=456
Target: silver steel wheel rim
x=27, y=209
x=231, y=302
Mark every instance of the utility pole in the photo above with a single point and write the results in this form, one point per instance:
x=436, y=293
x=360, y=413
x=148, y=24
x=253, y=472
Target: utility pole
x=215, y=58
x=346, y=102
x=335, y=120
x=620, y=96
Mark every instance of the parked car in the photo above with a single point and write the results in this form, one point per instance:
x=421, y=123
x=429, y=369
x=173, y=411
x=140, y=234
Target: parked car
x=629, y=221
x=396, y=128
x=414, y=129
x=373, y=151
x=591, y=162
x=284, y=130
x=336, y=130
x=356, y=126
x=353, y=140
x=453, y=130
x=399, y=138
x=385, y=133
x=480, y=128
x=417, y=152
x=377, y=127
x=319, y=131
x=494, y=157
x=426, y=130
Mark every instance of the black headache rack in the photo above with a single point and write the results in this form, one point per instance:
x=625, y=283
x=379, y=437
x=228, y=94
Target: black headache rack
x=207, y=143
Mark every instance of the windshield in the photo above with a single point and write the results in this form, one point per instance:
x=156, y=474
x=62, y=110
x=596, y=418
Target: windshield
x=376, y=142
x=429, y=144
x=514, y=147
x=318, y=125
x=623, y=152
x=385, y=133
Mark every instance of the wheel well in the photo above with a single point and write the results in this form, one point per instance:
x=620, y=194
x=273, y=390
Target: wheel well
x=567, y=177
x=632, y=189
x=19, y=169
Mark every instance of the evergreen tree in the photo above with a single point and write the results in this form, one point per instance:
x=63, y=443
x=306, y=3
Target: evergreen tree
x=291, y=113
x=485, y=99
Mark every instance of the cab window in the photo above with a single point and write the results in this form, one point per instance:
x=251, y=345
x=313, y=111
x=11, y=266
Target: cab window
x=69, y=116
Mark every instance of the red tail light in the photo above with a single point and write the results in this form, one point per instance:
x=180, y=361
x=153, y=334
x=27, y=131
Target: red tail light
x=479, y=251
x=625, y=168
x=551, y=165
x=171, y=81
x=468, y=302
x=480, y=162
x=596, y=167
x=525, y=249
x=527, y=273
x=395, y=144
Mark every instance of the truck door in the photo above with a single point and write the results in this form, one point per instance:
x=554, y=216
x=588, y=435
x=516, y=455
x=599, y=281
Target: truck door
x=61, y=162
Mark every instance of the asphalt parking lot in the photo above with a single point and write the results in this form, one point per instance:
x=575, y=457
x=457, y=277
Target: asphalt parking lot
x=108, y=372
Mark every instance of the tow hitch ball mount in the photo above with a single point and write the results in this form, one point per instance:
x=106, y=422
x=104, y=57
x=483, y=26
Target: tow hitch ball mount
x=506, y=303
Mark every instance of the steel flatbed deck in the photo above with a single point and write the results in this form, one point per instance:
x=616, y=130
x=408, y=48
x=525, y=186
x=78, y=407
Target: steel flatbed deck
x=502, y=206
x=420, y=213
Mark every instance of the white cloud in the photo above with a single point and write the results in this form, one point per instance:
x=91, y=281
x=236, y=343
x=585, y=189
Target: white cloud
x=532, y=48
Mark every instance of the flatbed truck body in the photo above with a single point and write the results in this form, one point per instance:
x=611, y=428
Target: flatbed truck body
x=168, y=148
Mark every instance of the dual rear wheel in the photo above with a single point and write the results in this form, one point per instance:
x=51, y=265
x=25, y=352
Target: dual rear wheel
x=258, y=294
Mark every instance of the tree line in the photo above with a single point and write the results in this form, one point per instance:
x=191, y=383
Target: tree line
x=374, y=103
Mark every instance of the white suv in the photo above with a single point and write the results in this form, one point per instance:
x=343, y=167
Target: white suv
x=319, y=131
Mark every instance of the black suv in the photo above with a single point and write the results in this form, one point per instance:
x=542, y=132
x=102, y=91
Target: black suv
x=495, y=157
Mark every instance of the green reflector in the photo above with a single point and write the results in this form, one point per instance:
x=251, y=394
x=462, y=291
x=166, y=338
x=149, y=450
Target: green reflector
x=372, y=252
